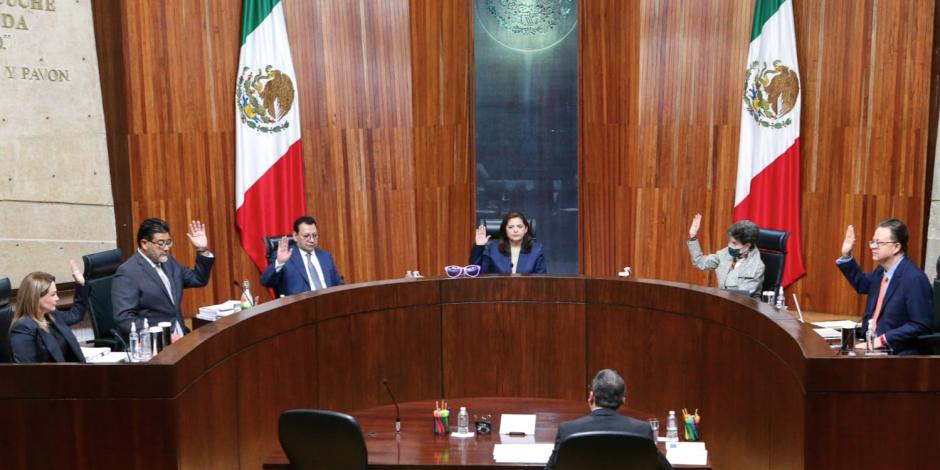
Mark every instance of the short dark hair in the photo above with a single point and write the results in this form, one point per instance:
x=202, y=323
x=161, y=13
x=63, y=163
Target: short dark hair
x=898, y=231
x=150, y=227
x=304, y=219
x=744, y=231
x=609, y=389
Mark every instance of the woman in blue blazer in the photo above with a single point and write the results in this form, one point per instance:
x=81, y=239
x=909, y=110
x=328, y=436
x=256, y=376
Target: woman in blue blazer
x=514, y=251
x=40, y=332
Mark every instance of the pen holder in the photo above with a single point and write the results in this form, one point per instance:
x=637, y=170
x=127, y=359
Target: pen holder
x=691, y=429
x=441, y=424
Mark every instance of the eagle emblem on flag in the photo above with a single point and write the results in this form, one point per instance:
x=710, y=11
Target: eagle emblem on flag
x=770, y=93
x=263, y=97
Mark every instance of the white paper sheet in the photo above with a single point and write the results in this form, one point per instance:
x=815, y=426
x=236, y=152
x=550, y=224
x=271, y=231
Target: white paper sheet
x=828, y=333
x=522, y=453
x=837, y=324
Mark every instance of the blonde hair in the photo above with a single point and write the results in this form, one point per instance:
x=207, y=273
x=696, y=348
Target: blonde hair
x=34, y=286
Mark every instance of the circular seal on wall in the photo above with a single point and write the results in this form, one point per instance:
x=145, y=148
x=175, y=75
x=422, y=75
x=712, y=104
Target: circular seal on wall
x=527, y=25
x=263, y=97
x=770, y=93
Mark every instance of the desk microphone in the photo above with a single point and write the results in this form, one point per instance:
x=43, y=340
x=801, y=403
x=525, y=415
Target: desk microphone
x=127, y=350
x=244, y=288
x=397, y=411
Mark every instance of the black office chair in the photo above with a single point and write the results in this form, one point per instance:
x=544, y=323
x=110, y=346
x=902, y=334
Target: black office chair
x=270, y=244
x=99, y=271
x=607, y=449
x=773, y=252
x=6, y=317
x=931, y=342
x=492, y=227
x=320, y=439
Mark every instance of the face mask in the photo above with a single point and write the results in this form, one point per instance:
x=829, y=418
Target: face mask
x=734, y=252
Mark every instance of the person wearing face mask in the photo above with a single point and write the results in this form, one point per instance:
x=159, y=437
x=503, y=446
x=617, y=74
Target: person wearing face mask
x=307, y=269
x=513, y=251
x=39, y=331
x=738, y=265
x=150, y=283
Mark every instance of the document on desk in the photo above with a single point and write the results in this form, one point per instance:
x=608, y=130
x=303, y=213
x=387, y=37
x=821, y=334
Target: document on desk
x=91, y=353
x=837, y=324
x=686, y=453
x=522, y=453
x=111, y=357
x=517, y=424
x=828, y=333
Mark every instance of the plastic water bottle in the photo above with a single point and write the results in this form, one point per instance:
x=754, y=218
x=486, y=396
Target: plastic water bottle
x=134, y=343
x=246, y=295
x=463, y=421
x=781, y=300
x=145, y=349
x=672, y=428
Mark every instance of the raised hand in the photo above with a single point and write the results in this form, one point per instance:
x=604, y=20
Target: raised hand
x=197, y=235
x=283, y=250
x=77, y=273
x=481, y=237
x=696, y=224
x=849, y=243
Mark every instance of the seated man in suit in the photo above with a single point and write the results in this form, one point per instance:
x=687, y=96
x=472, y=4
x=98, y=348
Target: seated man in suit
x=607, y=393
x=900, y=298
x=150, y=283
x=309, y=268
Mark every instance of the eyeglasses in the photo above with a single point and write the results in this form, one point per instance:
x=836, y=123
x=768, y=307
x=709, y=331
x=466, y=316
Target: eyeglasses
x=310, y=236
x=452, y=271
x=877, y=244
x=162, y=243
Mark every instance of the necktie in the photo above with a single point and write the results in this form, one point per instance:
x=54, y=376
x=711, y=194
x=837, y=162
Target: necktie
x=313, y=273
x=166, y=281
x=881, y=298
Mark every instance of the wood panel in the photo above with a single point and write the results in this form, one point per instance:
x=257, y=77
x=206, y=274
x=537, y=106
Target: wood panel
x=659, y=124
x=384, y=89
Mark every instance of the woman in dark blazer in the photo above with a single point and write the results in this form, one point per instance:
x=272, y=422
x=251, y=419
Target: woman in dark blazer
x=40, y=332
x=514, y=251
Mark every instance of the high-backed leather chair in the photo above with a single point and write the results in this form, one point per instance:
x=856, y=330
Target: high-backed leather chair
x=607, y=449
x=931, y=342
x=270, y=244
x=321, y=439
x=6, y=317
x=492, y=226
x=99, y=272
x=773, y=252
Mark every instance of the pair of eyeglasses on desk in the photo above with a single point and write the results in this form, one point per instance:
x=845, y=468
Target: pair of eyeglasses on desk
x=453, y=271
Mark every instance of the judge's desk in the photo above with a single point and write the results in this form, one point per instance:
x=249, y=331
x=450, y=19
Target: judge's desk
x=417, y=447
x=771, y=393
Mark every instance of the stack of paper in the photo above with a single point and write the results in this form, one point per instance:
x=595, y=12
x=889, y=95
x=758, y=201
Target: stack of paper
x=837, y=324
x=828, y=333
x=522, y=453
x=214, y=312
x=686, y=453
x=91, y=353
x=111, y=357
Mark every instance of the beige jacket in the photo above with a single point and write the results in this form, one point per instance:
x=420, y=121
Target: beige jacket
x=747, y=274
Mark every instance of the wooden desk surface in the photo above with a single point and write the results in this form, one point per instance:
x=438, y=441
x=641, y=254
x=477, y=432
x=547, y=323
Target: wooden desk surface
x=418, y=447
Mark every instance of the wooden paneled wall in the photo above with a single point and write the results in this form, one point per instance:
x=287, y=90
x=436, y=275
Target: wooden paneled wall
x=660, y=109
x=387, y=109
x=385, y=95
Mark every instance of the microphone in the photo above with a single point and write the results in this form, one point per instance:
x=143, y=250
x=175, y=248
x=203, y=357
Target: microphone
x=127, y=350
x=397, y=411
x=245, y=292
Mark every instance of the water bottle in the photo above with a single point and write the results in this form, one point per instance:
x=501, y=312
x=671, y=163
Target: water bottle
x=463, y=421
x=177, y=332
x=781, y=300
x=134, y=343
x=672, y=428
x=145, y=348
x=246, y=295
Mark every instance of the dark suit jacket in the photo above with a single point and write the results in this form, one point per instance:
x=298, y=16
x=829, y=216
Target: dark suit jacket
x=292, y=278
x=137, y=291
x=29, y=343
x=491, y=260
x=907, y=308
x=602, y=419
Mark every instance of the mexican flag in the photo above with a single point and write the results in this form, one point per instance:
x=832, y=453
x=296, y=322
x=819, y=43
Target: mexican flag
x=768, y=179
x=269, y=171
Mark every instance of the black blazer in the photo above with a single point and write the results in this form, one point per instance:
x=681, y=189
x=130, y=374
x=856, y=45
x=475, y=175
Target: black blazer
x=603, y=419
x=137, y=291
x=29, y=343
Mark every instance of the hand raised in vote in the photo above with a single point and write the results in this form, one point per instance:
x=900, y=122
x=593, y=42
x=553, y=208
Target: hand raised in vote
x=696, y=224
x=849, y=243
x=283, y=250
x=197, y=235
x=481, y=237
x=77, y=273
